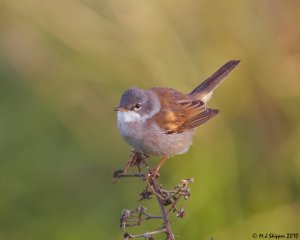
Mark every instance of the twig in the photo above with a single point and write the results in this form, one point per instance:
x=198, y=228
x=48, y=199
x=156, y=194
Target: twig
x=167, y=199
x=146, y=235
x=170, y=235
x=120, y=174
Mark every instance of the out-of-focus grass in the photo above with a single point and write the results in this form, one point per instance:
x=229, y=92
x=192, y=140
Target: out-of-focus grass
x=63, y=67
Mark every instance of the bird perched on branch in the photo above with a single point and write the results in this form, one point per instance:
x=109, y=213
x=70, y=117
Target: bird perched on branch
x=162, y=121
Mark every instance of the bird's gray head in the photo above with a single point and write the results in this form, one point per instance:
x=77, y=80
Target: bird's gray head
x=137, y=105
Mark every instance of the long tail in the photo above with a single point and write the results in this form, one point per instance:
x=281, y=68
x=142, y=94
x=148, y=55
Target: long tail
x=205, y=89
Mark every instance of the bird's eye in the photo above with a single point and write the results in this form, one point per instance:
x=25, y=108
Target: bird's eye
x=137, y=106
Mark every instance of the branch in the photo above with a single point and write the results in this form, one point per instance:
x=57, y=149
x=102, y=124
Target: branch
x=167, y=199
x=148, y=235
x=161, y=202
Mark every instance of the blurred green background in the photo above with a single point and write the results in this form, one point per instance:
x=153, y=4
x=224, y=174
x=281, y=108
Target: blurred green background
x=64, y=66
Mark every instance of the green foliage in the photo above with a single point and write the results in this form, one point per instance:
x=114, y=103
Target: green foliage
x=64, y=66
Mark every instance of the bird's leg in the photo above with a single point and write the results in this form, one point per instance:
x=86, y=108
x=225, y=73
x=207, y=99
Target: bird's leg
x=132, y=161
x=136, y=159
x=154, y=173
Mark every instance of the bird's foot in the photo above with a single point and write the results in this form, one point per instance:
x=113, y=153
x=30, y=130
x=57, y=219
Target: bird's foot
x=136, y=159
x=153, y=174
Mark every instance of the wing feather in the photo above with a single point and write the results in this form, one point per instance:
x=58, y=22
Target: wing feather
x=200, y=119
x=180, y=112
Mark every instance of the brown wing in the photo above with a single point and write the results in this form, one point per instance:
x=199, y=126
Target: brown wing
x=180, y=112
x=199, y=119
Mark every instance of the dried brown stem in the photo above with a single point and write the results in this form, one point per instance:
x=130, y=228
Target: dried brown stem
x=167, y=200
x=146, y=235
x=120, y=174
x=170, y=235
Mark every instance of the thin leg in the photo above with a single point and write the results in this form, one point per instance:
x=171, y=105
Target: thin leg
x=132, y=161
x=161, y=162
x=136, y=159
x=155, y=172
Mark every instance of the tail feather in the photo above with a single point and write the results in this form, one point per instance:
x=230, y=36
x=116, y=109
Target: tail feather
x=205, y=89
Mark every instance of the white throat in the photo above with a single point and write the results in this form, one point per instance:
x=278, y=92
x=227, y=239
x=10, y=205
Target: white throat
x=129, y=116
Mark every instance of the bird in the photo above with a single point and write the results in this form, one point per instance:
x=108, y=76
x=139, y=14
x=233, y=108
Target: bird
x=162, y=121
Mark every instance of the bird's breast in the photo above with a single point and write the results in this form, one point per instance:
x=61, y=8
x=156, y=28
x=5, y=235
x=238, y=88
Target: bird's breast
x=147, y=137
x=130, y=125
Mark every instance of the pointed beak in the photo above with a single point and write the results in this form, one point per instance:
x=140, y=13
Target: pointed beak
x=120, y=109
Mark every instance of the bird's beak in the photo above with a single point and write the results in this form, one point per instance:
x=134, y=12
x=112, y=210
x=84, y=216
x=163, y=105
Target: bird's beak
x=120, y=109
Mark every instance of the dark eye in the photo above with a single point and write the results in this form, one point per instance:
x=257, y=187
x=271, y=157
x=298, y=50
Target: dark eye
x=137, y=106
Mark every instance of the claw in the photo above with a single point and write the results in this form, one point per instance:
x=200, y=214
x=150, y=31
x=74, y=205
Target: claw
x=153, y=174
x=136, y=159
x=131, y=162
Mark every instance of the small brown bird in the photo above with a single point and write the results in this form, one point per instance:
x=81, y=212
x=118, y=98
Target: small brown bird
x=162, y=121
